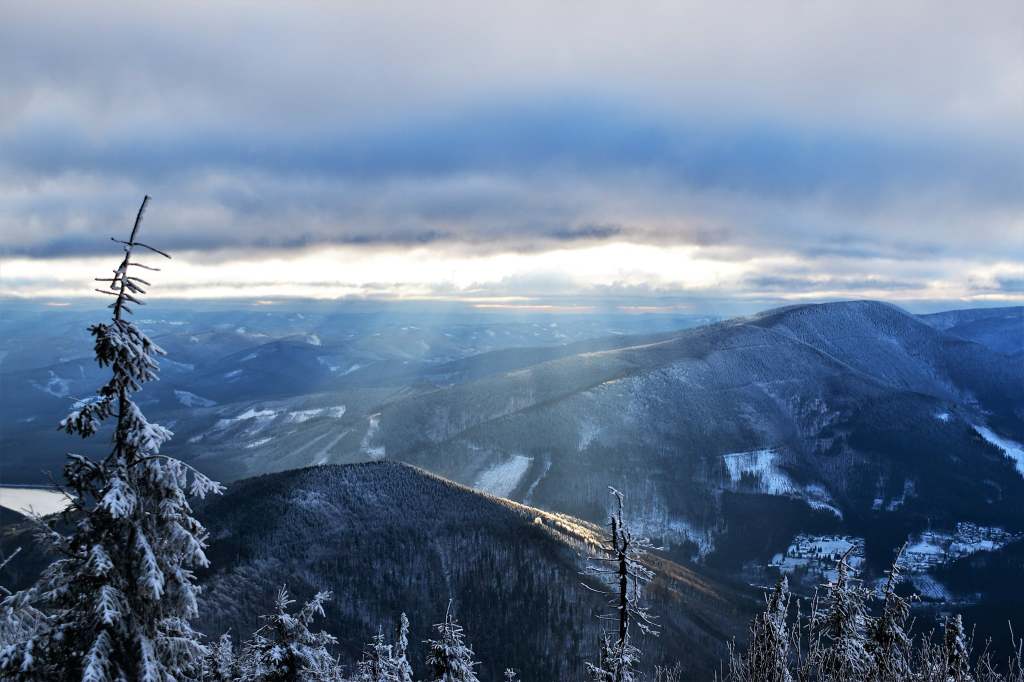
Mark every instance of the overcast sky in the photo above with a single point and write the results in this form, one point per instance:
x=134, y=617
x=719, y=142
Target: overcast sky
x=644, y=154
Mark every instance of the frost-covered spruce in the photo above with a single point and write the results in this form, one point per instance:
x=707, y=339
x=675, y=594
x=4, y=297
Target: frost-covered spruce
x=957, y=651
x=119, y=597
x=843, y=624
x=450, y=657
x=379, y=663
x=221, y=663
x=767, y=655
x=620, y=562
x=890, y=644
x=284, y=648
x=402, y=667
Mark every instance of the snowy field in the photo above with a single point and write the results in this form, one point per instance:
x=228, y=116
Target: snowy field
x=502, y=479
x=762, y=466
x=1011, y=449
x=40, y=500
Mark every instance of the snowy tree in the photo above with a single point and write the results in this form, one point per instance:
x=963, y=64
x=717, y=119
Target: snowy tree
x=119, y=597
x=957, y=651
x=450, y=657
x=843, y=624
x=603, y=670
x=379, y=663
x=767, y=655
x=671, y=673
x=888, y=641
x=403, y=669
x=221, y=663
x=383, y=662
x=20, y=620
x=284, y=648
x=620, y=560
x=510, y=675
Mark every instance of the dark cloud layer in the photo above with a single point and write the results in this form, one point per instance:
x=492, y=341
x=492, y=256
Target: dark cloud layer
x=871, y=133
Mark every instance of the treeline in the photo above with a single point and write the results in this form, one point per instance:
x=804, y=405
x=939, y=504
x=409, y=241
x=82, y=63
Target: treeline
x=854, y=634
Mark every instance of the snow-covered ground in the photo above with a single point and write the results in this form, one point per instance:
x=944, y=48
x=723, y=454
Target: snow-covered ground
x=372, y=451
x=503, y=478
x=299, y=416
x=818, y=554
x=1011, y=449
x=189, y=399
x=759, y=464
x=588, y=432
x=929, y=588
x=55, y=386
x=39, y=500
x=761, y=468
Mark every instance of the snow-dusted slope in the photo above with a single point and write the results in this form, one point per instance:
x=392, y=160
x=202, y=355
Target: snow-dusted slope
x=388, y=538
x=844, y=396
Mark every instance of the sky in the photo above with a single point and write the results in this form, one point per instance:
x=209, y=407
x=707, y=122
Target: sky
x=681, y=156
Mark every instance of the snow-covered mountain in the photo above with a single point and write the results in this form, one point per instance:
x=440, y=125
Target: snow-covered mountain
x=388, y=538
x=853, y=420
x=1001, y=329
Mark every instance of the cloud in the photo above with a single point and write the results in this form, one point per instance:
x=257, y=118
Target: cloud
x=848, y=138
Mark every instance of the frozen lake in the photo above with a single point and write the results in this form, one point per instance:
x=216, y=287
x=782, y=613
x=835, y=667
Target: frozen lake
x=40, y=500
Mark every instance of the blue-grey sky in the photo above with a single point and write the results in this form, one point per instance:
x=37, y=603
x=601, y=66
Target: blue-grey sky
x=659, y=154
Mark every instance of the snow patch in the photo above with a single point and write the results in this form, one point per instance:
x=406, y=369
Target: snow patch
x=588, y=433
x=55, y=386
x=250, y=356
x=262, y=417
x=233, y=374
x=257, y=443
x=501, y=479
x=313, y=340
x=759, y=464
x=929, y=588
x=189, y=399
x=942, y=416
x=300, y=416
x=1011, y=449
x=372, y=451
x=759, y=469
x=41, y=501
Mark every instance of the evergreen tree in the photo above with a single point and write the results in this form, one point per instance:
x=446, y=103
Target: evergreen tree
x=843, y=624
x=379, y=663
x=118, y=599
x=602, y=671
x=767, y=655
x=957, y=651
x=403, y=669
x=510, y=675
x=888, y=641
x=221, y=664
x=620, y=560
x=450, y=657
x=285, y=650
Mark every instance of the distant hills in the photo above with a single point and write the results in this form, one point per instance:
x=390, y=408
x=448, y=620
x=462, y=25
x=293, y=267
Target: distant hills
x=849, y=423
x=1001, y=329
